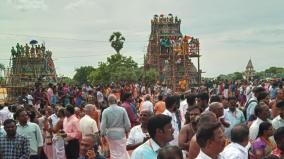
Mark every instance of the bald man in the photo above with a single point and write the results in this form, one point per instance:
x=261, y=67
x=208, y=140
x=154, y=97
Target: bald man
x=218, y=109
x=194, y=148
x=86, y=147
x=139, y=133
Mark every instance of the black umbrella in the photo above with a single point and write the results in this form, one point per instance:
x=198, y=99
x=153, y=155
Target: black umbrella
x=33, y=42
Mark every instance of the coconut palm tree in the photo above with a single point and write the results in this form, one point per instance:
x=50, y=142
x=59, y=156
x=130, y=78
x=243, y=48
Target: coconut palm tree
x=2, y=68
x=117, y=41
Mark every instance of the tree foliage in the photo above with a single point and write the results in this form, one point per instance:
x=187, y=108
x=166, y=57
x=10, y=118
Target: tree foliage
x=67, y=80
x=150, y=76
x=272, y=72
x=82, y=73
x=275, y=70
x=237, y=76
x=2, y=67
x=117, y=41
x=100, y=75
x=116, y=68
x=231, y=77
x=260, y=75
x=117, y=60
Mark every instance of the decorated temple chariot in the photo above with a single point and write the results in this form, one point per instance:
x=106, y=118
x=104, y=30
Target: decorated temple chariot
x=171, y=54
x=30, y=65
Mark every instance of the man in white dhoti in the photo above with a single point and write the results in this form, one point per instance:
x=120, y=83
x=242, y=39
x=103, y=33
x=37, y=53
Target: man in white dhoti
x=114, y=126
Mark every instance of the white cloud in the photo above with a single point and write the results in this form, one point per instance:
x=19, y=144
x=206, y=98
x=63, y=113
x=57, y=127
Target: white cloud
x=261, y=36
x=229, y=32
x=25, y=5
x=78, y=3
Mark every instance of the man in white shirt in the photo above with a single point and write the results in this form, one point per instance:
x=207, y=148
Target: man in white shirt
x=210, y=137
x=183, y=108
x=148, y=105
x=237, y=148
x=88, y=126
x=4, y=114
x=252, y=102
x=248, y=91
x=139, y=133
x=262, y=113
x=53, y=117
x=30, y=99
x=171, y=110
x=100, y=97
x=278, y=121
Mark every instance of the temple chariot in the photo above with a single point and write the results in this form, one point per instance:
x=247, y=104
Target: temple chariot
x=171, y=53
x=30, y=65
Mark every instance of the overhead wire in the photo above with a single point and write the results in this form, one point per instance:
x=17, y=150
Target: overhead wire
x=82, y=56
x=64, y=38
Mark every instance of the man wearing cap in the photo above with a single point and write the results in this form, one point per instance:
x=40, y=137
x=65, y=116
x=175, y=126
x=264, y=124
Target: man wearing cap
x=278, y=121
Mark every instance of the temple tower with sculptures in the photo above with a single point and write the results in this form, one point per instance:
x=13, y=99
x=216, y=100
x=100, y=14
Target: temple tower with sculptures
x=171, y=53
x=249, y=72
x=30, y=65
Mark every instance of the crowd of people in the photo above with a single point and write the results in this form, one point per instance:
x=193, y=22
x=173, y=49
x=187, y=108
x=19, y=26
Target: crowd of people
x=226, y=120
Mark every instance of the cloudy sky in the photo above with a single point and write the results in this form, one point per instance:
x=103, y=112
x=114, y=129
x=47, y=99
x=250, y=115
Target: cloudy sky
x=77, y=31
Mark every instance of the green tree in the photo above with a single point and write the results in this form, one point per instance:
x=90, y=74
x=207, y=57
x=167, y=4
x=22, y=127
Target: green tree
x=2, y=68
x=95, y=77
x=100, y=75
x=274, y=72
x=82, y=73
x=116, y=68
x=118, y=60
x=124, y=73
x=236, y=76
x=150, y=76
x=222, y=77
x=67, y=80
x=260, y=75
x=230, y=77
x=117, y=41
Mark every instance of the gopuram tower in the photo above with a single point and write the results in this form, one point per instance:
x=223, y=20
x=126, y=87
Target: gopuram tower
x=249, y=72
x=171, y=53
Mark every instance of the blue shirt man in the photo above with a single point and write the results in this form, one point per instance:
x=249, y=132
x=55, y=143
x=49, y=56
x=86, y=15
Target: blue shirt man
x=161, y=132
x=31, y=131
